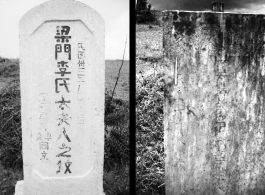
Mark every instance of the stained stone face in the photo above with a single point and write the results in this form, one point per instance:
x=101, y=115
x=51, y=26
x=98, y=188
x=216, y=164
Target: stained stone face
x=62, y=92
x=214, y=103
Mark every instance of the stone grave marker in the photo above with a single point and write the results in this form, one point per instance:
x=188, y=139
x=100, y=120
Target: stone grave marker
x=214, y=103
x=62, y=98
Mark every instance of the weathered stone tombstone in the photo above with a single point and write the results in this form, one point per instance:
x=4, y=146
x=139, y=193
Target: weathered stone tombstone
x=62, y=94
x=214, y=103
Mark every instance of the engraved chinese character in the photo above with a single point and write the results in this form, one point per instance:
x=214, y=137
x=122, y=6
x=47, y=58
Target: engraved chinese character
x=67, y=166
x=42, y=100
x=59, y=166
x=67, y=49
x=63, y=118
x=81, y=77
x=39, y=136
x=81, y=64
x=62, y=35
x=63, y=103
x=62, y=67
x=80, y=89
x=80, y=46
x=58, y=49
x=62, y=72
x=44, y=145
x=81, y=55
x=48, y=136
x=63, y=154
x=43, y=156
x=65, y=135
x=61, y=84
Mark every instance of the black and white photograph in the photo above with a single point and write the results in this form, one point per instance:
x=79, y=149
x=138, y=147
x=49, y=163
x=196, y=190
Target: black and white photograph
x=200, y=82
x=64, y=97
x=188, y=112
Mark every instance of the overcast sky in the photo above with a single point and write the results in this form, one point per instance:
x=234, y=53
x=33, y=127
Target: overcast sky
x=114, y=12
x=238, y=6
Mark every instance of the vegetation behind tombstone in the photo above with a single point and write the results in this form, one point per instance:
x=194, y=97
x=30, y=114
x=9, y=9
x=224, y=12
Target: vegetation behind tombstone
x=10, y=129
x=147, y=16
x=150, y=168
x=144, y=17
x=149, y=133
x=116, y=158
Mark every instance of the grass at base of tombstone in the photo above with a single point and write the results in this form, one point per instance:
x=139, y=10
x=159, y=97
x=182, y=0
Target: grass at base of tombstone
x=116, y=181
x=150, y=168
x=116, y=158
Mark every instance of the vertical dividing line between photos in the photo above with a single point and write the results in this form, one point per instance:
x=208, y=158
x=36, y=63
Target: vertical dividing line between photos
x=132, y=50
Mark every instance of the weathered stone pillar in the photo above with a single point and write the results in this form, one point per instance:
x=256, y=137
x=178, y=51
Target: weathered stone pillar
x=214, y=103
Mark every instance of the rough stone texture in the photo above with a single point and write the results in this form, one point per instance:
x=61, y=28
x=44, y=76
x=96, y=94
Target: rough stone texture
x=214, y=103
x=62, y=94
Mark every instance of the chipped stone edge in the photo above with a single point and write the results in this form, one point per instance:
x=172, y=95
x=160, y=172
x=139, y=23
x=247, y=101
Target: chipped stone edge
x=19, y=190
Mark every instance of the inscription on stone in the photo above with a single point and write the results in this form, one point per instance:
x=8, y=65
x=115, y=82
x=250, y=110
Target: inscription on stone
x=62, y=93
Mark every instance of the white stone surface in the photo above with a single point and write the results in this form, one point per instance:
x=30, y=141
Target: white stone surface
x=62, y=94
x=19, y=190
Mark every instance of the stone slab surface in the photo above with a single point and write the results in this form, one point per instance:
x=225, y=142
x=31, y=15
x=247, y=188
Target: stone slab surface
x=19, y=190
x=62, y=98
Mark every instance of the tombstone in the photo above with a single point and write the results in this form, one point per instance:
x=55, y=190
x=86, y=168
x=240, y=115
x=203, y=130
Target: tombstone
x=62, y=96
x=214, y=103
